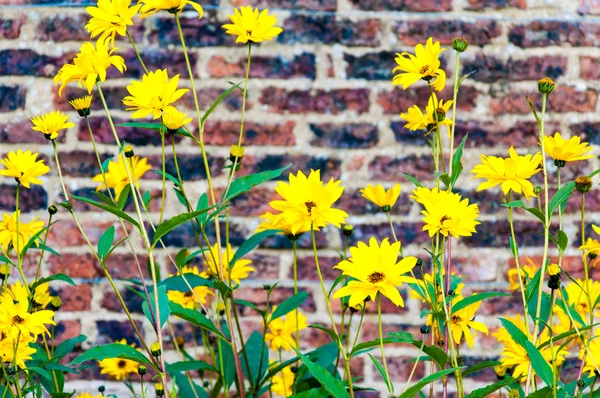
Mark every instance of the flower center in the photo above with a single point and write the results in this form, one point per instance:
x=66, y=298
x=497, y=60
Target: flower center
x=188, y=294
x=17, y=320
x=309, y=207
x=456, y=319
x=376, y=277
x=424, y=70
x=121, y=364
x=444, y=219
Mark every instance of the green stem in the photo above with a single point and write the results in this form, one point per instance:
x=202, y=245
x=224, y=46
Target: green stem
x=454, y=95
x=295, y=265
x=380, y=325
x=39, y=266
x=164, y=171
x=555, y=376
x=17, y=244
x=392, y=229
x=137, y=53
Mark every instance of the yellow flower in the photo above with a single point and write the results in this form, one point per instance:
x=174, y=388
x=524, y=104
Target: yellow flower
x=8, y=231
x=187, y=299
x=570, y=150
x=51, y=123
x=592, y=359
x=379, y=196
x=417, y=120
x=425, y=64
x=173, y=6
x=174, y=119
x=306, y=201
x=23, y=349
x=428, y=281
x=462, y=322
x=527, y=272
x=118, y=368
x=24, y=167
x=153, y=95
x=446, y=212
x=110, y=18
x=250, y=24
x=236, y=152
x=41, y=296
x=272, y=221
x=88, y=395
x=578, y=293
x=281, y=332
x=375, y=269
x=240, y=270
x=282, y=383
x=82, y=105
x=512, y=172
x=89, y=66
x=592, y=247
x=553, y=269
x=116, y=175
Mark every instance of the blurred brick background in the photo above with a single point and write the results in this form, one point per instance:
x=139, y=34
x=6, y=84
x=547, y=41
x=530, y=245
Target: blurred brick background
x=320, y=97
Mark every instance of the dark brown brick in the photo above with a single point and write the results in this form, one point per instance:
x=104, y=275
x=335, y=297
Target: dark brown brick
x=490, y=69
x=387, y=168
x=321, y=5
x=27, y=62
x=370, y=66
x=265, y=67
x=478, y=33
x=111, y=302
x=588, y=131
x=155, y=58
x=329, y=166
x=60, y=27
x=354, y=203
x=589, y=67
x=407, y=232
x=10, y=28
x=495, y=234
x=35, y=198
x=12, y=98
x=496, y=4
x=329, y=30
x=349, y=136
x=191, y=167
x=397, y=100
x=403, y=5
x=227, y=133
x=205, y=32
x=522, y=133
x=81, y=163
x=563, y=99
x=334, y=101
x=546, y=33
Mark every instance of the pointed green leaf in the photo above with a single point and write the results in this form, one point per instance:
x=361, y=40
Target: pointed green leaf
x=105, y=242
x=194, y=317
x=413, y=180
x=488, y=390
x=330, y=383
x=250, y=243
x=381, y=370
x=289, y=304
x=152, y=126
x=561, y=197
x=113, y=350
x=167, y=226
x=110, y=209
x=411, y=391
x=474, y=298
x=218, y=101
x=163, y=306
x=245, y=183
x=56, y=277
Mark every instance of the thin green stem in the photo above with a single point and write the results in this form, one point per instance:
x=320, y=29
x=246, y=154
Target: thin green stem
x=389, y=217
x=555, y=376
x=163, y=196
x=295, y=266
x=454, y=95
x=39, y=266
x=380, y=326
x=137, y=53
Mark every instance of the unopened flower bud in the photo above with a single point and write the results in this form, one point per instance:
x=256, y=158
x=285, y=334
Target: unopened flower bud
x=236, y=152
x=546, y=85
x=348, y=230
x=101, y=389
x=4, y=271
x=592, y=256
x=537, y=190
x=554, y=279
x=460, y=44
x=580, y=383
x=142, y=370
x=128, y=151
x=500, y=371
x=450, y=293
x=559, y=163
x=55, y=303
x=419, y=262
x=155, y=349
x=583, y=184
x=179, y=341
x=267, y=287
x=386, y=209
x=294, y=369
x=425, y=329
x=160, y=389
x=439, y=114
x=430, y=127
x=52, y=210
x=206, y=384
x=10, y=371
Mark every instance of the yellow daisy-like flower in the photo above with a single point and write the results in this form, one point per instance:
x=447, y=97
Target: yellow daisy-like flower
x=89, y=66
x=446, y=212
x=187, y=299
x=153, y=95
x=385, y=199
x=578, y=293
x=428, y=281
x=118, y=368
x=527, y=272
x=564, y=151
x=88, y=395
x=8, y=230
x=425, y=64
x=462, y=322
x=375, y=269
x=417, y=120
x=149, y=7
x=592, y=246
x=307, y=201
x=240, y=270
x=116, y=175
x=251, y=25
x=24, y=167
x=109, y=18
x=41, y=296
x=281, y=332
x=82, y=105
x=24, y=350
x=236, y=151
x=173, y=119
x=272, y=221
x=592, y=359
x=282, y=383
x=513, y=173
x=51, y=123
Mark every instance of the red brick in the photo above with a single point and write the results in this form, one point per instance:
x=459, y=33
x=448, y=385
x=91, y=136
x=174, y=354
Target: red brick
x=279, y=100
x=588, y=131
x=407, y=232
x=322, y=5
x=475, y=269
x=403, y=5
x=27, y=62
x=60, y=27
x=205, y=32
x=589, y=67
x=354, y=203
x=154, y=58
x=399, y=368
x=387, y=168
x=307, y=269
x=397, y=100
x=563, y=99
x=76, y=298
x=330, y=30
x=521, y=134
x=10, y=28
x=227, y=133
x=82, y=265
x=546, y=33
x=253, y=203
x=478, y=33
x=495, y=234
x=66, y=233
x=111, y=302
x=496, y=4
x=191, y=167
x=207, y=96
x=490, y=69
x=349, y=136
x=20, y=132
x=264, y=67
x=66, y=329
x=35, y=198
x=12, y=98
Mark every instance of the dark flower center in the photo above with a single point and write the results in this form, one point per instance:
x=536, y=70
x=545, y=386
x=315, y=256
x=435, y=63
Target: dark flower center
x=424, y=70
x=121, y=364
x=18, y=320
x=188, y=294
x=309, y=207
x=376, y=277
x=456, y=319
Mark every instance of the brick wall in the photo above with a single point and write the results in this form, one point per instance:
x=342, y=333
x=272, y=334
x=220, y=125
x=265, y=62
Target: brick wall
x=320, y=97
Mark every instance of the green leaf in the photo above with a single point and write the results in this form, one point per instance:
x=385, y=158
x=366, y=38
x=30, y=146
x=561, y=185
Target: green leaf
x=177, y=282
x=381, y=370
x=561, y=197
x=202, y=204
x=69, y=345
x=514, y=248
x=187, y=388
x=472, y=299
x=218, y=101
x=168, y=176
x=517, y=335
x=563, y=240
x=110, y=209
x=413, y=180
x=411, y=391
x=457, y=166
x=244, y=184
x=535, y=115
x=32, y=240
x=289, y=304
x=325, y=329
x=256, y=369
x=146, y=198
x=533, y=210
x=152, y=126
x=105, y=242
x=480, y=366
x=488, y=390
x=463, y=78
x=123, y=196
x=250, y=244
x=163, y=306
x=330, y=383
x=56, y=277
x=194, y=317
x=541, y=393
x=593, y=173
x=167, y=226
x=337, y=281
x=113, y=350
x=186, y=366
x=567, y=334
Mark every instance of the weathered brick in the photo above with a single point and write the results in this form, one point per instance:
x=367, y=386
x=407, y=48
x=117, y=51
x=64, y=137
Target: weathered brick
x=10, y=28
x=407, y=232
x=111, y=302
x=184, y=235
x=76, y=298
x=496, y=233
x=330, y=167
x=205, y=32
x=400, y=368
x=81, y=163
x=335, y=101
x=207, y=96
x=111, y=331
x=496, y=4
x=370, y=66
x=27, y=62
x=83, y=265
x=354, y=203
x=62, y=27
x=227, y=133
x=520, y=134
x=12, y=98
x=387, y=168
x=35, y=198
x=20, y=132
x=349, y=136
x=563, y=99
x=322, y=5
x=155, y=58
x=544, y=33
x=265, y=67
x=475, y=269
x=478, y=33
x=305, y=242
x=191, y=167
x=403, y=5
x=330, y=30
x=589, y=67
x=103, y=133
x=490, y=69
x=408, y=137
x=66, y=329
x=588, y=131
x=397, y=100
